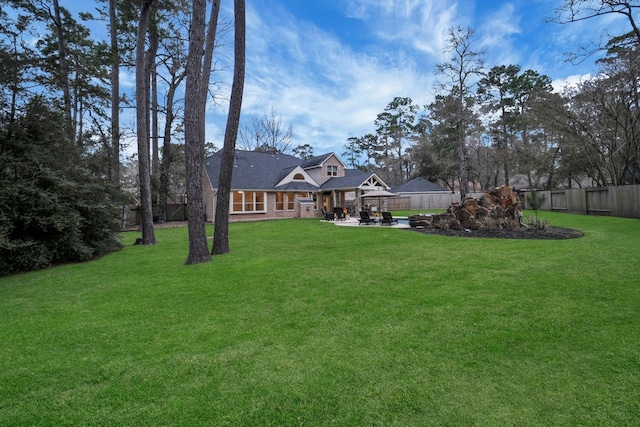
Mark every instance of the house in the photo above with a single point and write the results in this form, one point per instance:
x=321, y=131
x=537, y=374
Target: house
x=416, y=186
x=424, y=194
x=271, y=186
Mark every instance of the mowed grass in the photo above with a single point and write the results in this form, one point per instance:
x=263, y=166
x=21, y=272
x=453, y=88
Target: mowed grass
x=306, y=323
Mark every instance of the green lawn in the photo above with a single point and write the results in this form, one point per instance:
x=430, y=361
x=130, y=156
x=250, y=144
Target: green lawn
x=306, y=323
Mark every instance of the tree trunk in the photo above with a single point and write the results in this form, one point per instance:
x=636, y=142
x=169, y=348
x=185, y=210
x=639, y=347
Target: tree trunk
x=462, y=144
x=115, y=94
x=14, y=86
x=221, y=232
x=165, y=166
x=64, y=72
x=462, y=153
x=505, y=148
x=194, y=129
x=167, y=159
x=142, y=126
x=152, y=102
x=209, y=46
x=155, y=147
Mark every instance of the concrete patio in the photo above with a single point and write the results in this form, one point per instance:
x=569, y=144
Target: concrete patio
x=353, y=222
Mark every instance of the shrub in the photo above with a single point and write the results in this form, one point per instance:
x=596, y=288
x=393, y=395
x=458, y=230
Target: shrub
x=536, y=224
x=52, y=209
x=535, y=200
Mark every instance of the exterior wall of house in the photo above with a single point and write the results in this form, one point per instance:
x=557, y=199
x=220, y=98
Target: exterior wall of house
x=306, y=210
x=331, y=161
x=315, y=174
x=208, y=197
x=299, y=210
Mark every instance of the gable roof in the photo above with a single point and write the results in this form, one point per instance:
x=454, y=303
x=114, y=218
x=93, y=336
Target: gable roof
x=317, y=161
x=314, y=161
x=417, y=185
x=297, y=186
x=252, y=169
x=353, y=178
x=295, y=175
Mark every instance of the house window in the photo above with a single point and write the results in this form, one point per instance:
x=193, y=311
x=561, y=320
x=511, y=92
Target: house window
x=247, y=202
x=298, y=177
x=332, y=170
x=290, y=201
x=279, y=201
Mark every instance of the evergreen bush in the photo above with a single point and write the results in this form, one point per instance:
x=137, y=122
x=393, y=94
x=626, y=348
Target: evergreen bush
x=52, y=209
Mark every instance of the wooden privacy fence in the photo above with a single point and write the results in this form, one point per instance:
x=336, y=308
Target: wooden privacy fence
x=621, y=201
x=440, y=200
x=397, y=203
x=131, y=214
x=426, y=201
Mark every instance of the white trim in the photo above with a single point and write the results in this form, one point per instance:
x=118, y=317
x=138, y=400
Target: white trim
x=373, y=183
x=337, y=158
x=297, y=170
x=243, y=211
x=321, y=164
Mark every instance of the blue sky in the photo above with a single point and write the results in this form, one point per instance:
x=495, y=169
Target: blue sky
x=328, y=67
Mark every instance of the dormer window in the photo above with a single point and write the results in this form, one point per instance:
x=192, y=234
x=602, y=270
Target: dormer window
x=332, y=170
x=298, y=177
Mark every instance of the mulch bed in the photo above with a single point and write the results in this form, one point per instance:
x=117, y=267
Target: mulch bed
x=554, y=233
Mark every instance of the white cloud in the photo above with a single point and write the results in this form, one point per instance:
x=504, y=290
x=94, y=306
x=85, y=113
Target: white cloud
x=420, y=24
x=329, y=89
x=560, y=85
x=320, y=86
x=496, y=35
x=127, y=79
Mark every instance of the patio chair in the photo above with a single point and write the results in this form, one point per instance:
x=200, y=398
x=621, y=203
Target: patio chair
x=365, y=218
x=387, y=218
x=328, y=216
x=339, y=213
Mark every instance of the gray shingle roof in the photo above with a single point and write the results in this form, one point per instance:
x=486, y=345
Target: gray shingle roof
x=314, y=161
x=297, y=186
x=252, y=170
x=263, y=171
x=352, y=179
x=417, y=185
